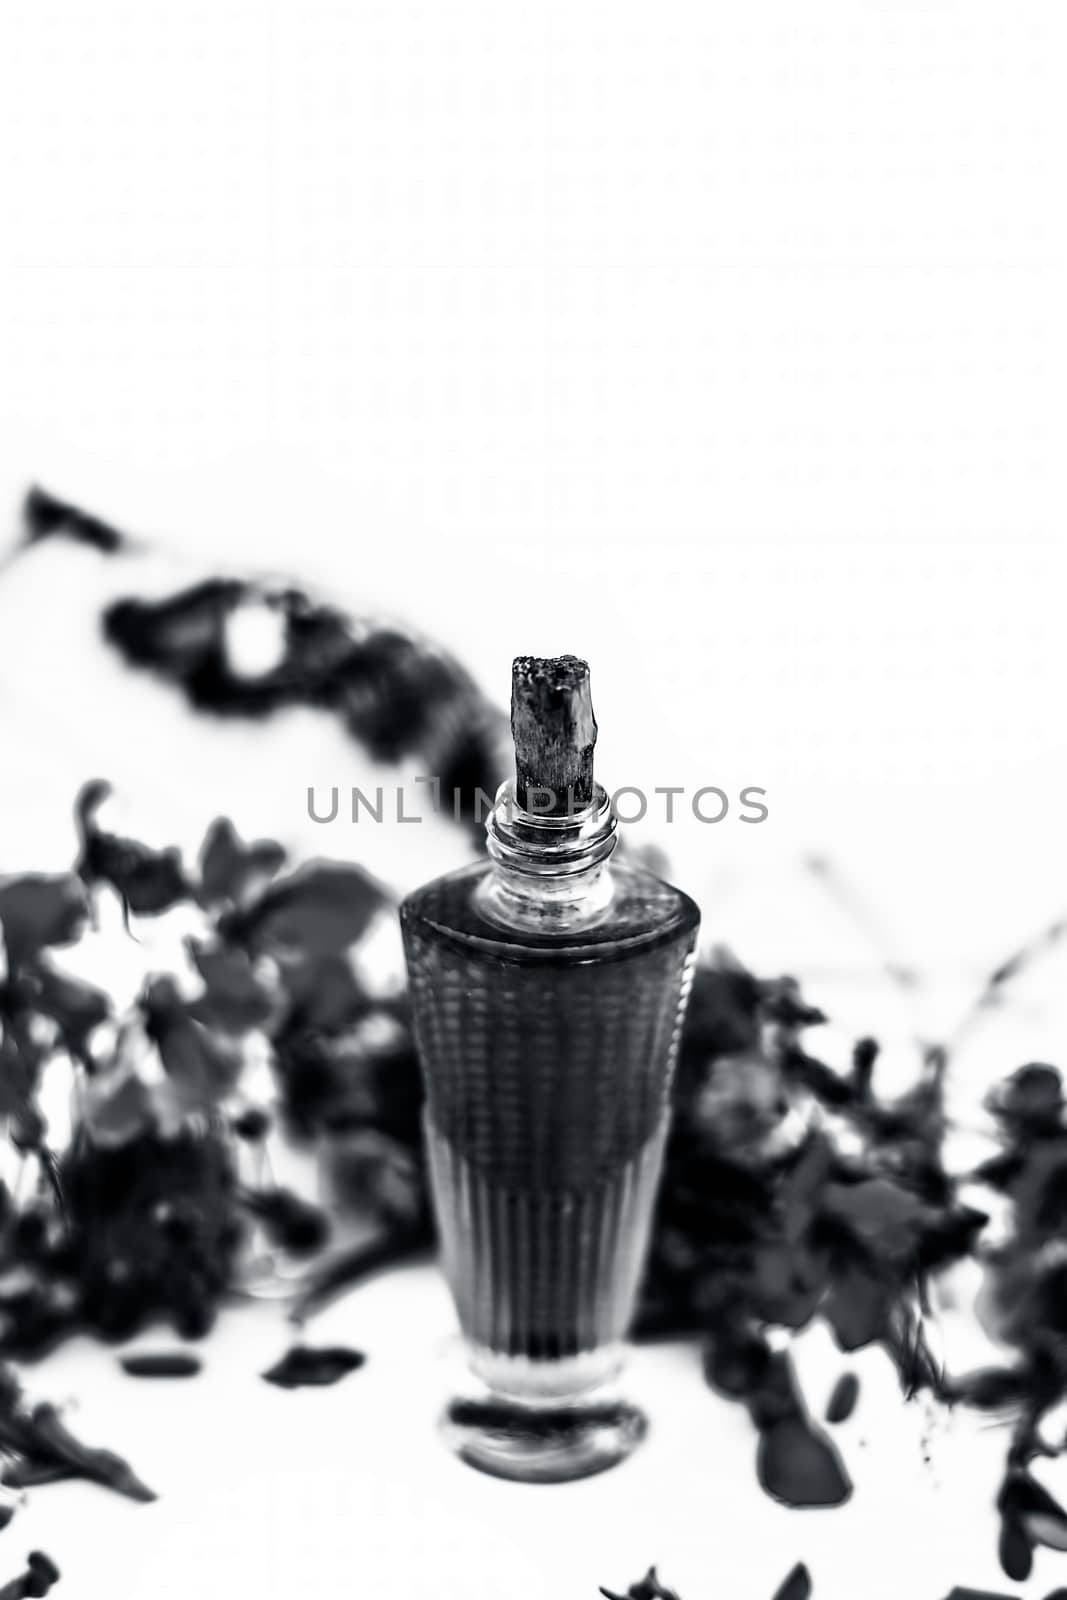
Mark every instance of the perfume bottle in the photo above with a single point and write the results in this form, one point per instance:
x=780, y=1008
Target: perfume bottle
x=548, y=988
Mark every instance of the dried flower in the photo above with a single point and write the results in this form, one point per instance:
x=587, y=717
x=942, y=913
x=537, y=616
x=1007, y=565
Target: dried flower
x=305, y=1367
x=647, y=1588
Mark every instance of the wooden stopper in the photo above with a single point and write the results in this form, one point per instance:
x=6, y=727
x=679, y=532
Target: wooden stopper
x=554, y=731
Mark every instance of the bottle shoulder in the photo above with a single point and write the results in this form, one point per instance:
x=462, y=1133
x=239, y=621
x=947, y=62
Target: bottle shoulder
x=644, y=911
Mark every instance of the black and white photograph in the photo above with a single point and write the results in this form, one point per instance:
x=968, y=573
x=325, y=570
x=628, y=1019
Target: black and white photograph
x=533, y=778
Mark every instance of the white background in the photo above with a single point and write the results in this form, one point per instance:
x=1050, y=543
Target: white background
x=724, y=344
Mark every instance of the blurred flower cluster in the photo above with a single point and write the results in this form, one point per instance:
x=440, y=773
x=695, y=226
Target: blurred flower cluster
x=258, y=1020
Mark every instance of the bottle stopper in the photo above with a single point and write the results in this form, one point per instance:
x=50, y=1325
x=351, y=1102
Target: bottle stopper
x=554, y=731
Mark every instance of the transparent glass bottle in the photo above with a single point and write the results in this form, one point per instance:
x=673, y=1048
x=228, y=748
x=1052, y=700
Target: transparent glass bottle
x=548, y=990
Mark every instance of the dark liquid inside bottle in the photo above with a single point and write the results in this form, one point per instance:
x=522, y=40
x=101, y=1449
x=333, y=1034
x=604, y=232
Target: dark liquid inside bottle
x=548, y=1060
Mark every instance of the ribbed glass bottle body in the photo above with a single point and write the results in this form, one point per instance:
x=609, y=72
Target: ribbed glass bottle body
x=548, y=1060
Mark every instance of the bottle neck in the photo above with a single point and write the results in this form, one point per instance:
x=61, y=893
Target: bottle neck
x=549, y=874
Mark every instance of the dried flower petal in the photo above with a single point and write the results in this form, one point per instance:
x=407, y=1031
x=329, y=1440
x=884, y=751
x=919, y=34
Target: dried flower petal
x=148, y=881
x=102, y=1466
x=312, y=914
x=38, y=910
x=797, y=1585
x=1051, y=1531
x=235, y=1000
x=978, y=1594
x=229, y=868
x=798, y=1465
x=161, y=1364
x=292, y=1223
x=201, y=1064
x=307, y=1367
x=44, y=516
x=1015, y=1551
x=842, y=1401
x=76, y=1007
x=646, y=1588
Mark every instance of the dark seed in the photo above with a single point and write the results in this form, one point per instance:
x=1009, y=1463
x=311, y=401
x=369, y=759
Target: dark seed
x=161, y=1364
x=842, y=1401
x=305, y=1367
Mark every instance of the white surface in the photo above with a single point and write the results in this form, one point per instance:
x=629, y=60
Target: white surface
x=349, y=1490
x=723, y=344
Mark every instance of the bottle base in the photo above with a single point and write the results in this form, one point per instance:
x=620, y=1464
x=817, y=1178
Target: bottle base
x=542, y=1443
x=540, y=1382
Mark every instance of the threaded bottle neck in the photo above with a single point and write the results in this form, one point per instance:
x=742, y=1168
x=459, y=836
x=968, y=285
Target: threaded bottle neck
x=550, y=873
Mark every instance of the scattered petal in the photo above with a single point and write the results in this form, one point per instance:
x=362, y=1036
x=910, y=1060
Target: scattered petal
x=48, y=1436
x=44, y=517
x=797, y=1585
x=798, y=1465
x=147, y=881
x=1015, y=1551
x=292, y=1223
x=978, y=1594
x=38, y=910
x=317, y=911
x=306, y=1367
x=229, y=868
x=842, y=1401
x=161, y=1364
x=646, y=1588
